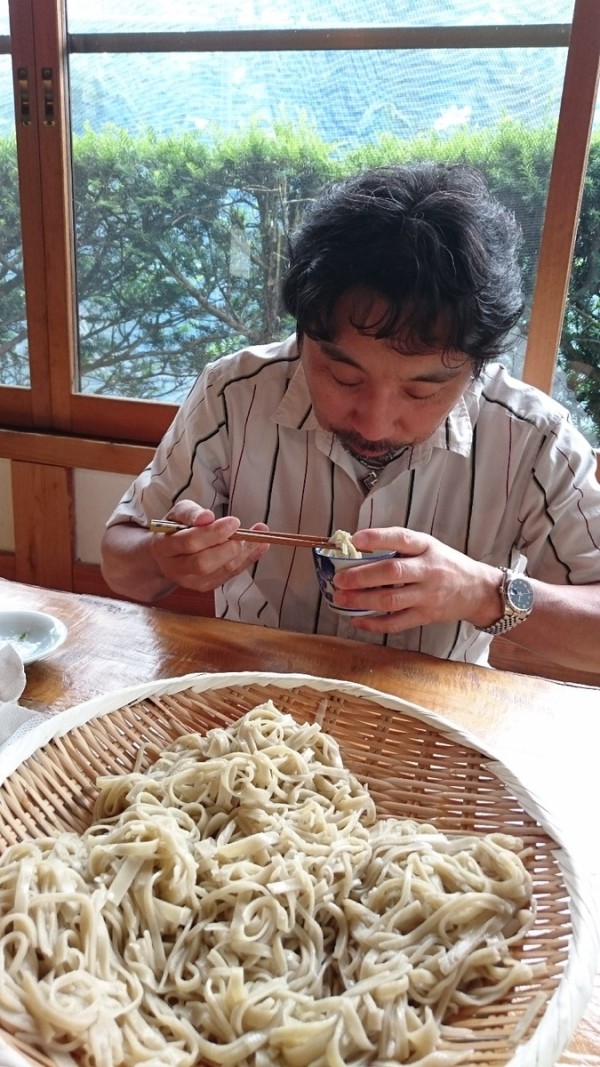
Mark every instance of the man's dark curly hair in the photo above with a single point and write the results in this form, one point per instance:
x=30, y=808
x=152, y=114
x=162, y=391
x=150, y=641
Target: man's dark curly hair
x=430, y=240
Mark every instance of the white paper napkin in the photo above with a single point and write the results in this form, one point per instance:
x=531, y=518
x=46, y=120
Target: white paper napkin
x=14, y=719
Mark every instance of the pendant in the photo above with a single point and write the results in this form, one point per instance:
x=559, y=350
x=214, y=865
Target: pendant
x=369, y=480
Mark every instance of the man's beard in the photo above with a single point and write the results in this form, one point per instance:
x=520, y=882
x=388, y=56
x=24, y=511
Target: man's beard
x=359, y=448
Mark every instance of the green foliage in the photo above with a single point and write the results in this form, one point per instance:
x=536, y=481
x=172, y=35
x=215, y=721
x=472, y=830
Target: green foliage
x=13, y=330
x=180, y=250
x=181, y=243
x=580, y=344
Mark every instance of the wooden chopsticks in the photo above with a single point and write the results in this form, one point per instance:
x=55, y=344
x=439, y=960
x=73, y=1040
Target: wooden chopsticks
x=165, y=526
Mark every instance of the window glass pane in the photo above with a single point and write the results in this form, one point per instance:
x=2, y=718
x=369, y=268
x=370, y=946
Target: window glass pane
x=577, y=379
x=14, y=365
x=155, y=15
x=190, y=168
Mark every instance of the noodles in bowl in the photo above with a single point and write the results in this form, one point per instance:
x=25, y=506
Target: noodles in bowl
x=342, y=546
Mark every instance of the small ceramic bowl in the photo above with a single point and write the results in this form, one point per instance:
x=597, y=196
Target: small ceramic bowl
x=33, y=634
x=327, y=566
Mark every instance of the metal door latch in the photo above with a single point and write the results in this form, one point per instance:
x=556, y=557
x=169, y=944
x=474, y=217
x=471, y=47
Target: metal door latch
x=48, y=97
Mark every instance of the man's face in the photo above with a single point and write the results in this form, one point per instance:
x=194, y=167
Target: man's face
x=375, y=399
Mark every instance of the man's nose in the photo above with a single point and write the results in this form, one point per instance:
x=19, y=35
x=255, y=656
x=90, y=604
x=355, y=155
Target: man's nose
x=377, y=418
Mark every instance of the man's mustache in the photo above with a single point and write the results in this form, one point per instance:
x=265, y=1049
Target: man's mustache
x=353, y=440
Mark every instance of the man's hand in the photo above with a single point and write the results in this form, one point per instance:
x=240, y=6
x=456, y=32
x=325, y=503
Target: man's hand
x=429, y=583
x=146, y=566
x=203, y=557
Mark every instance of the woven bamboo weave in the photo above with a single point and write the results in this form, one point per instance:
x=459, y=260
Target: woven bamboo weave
x=412, y=770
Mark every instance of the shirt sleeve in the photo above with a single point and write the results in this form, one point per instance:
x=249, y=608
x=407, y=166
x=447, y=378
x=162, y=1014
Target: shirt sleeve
x=561, y=513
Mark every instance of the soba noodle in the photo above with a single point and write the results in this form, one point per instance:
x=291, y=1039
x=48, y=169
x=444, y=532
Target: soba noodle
x=342, y=545
x=240, y=902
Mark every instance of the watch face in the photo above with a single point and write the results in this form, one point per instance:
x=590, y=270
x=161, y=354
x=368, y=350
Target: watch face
x=520, y=594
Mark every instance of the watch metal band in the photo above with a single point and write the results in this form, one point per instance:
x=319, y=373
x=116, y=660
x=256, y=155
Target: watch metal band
x=502, y=625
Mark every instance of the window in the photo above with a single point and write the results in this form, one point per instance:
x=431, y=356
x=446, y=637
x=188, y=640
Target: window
x=179, y=143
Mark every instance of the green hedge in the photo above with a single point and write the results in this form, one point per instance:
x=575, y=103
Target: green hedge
x=181, y=244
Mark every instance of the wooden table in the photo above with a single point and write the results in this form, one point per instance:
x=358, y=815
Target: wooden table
x=544, y=730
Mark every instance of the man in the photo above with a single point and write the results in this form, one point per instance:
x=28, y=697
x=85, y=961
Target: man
x=386, y=415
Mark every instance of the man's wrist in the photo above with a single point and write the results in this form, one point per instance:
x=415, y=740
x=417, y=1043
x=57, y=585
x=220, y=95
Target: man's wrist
x=491, y=602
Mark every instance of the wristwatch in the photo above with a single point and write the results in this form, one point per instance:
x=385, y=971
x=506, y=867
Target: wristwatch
x=517, y=596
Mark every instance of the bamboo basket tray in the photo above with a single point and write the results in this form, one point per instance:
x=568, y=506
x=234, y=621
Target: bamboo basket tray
x=415, y=764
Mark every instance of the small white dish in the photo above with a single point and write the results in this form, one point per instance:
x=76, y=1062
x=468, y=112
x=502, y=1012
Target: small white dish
x=33, y=634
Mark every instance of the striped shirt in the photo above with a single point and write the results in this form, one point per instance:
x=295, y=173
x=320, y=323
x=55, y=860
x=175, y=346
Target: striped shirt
x=505, y=479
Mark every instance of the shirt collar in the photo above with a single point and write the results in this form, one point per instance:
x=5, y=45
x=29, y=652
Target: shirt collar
x=295, y=409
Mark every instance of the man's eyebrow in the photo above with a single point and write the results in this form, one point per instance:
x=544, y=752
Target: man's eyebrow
x=333, y=352
x=443, y=374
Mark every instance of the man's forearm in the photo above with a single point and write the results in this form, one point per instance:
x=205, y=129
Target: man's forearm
x=564, y=626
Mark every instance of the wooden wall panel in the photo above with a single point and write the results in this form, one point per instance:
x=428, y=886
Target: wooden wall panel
x=43, y=523
x=8, y=566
